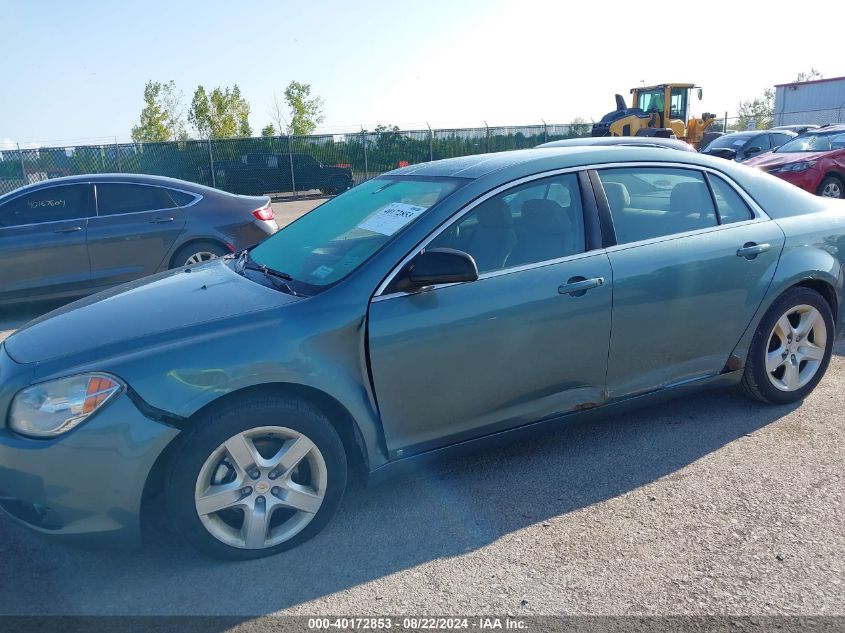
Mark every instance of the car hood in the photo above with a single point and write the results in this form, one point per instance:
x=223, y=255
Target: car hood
x=770, y=160
x=172, y=300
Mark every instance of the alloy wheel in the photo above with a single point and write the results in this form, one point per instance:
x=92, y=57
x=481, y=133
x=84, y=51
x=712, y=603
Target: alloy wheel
x=261, y=487
x=832, y=190
x=796, y=348
x=199, y=258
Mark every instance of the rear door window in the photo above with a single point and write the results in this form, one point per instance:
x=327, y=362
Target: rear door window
x=120, y=198
x=50, y=204
x=650, y=202
x=181, y=198
x=732, y=207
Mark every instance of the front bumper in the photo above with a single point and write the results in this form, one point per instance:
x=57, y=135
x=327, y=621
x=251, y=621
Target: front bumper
x=85, y=486
x=808, y=179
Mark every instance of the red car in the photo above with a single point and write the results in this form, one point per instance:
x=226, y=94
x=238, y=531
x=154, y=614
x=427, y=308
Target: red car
x=814, y=161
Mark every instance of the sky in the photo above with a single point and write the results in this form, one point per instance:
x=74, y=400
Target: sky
x=74, y=72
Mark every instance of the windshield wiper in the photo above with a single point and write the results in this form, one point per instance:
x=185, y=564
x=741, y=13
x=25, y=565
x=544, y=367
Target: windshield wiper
x=278, y=278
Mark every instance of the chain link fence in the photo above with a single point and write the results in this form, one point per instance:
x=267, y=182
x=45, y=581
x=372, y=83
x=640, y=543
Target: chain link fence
x=284, y=165
x=275, y=165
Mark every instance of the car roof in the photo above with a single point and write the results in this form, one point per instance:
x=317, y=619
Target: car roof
x=648, y=141
x=541, y=159
x=826, y=128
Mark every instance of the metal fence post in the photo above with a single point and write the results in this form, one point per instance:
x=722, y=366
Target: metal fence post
x=364, y=142
x=488, y=136
x=290, y=160
x=117, y=154
x=23, y=167
x=545, y=131
x=430, y=143
x=211, y=164
x=725, y=127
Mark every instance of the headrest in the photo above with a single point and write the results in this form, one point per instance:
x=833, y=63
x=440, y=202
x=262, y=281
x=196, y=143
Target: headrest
x=544, y=216
x=617, y=195
x=690, y=197
x=494, y=213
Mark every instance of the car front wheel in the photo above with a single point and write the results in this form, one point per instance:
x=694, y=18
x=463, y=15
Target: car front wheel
x=256, y=478
x=831, y=187
x=791, y=348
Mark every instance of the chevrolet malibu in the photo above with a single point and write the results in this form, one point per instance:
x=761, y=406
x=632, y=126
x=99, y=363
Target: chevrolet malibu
x=421, y=313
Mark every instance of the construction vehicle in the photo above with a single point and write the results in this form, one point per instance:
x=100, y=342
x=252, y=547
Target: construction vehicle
x=660, y=110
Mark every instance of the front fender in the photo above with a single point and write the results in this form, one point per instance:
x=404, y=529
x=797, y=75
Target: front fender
x=304, y=344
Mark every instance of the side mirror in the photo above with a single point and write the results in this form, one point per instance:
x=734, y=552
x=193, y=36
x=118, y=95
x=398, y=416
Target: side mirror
x=753, y=150
x=437, y=266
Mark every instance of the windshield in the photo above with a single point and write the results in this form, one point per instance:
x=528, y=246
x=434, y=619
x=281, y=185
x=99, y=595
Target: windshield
x=327, y=244
x=728, y=141
x=814, y=143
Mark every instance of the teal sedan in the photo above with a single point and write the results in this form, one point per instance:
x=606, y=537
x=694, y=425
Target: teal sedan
x=424, y=312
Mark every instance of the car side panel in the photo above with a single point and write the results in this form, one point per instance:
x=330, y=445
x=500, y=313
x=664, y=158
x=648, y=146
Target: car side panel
x=681, y=304
x=814, y=251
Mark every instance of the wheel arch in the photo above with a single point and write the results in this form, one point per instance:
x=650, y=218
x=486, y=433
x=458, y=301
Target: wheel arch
x=197, y=240
x=340, y=418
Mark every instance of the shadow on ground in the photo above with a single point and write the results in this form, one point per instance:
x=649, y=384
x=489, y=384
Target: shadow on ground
x=469, y=504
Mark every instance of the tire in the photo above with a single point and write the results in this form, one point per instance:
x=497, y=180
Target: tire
x=202, y=465
x=831, y=187
x=800, y=367
x=201, y=251
x=339, y=185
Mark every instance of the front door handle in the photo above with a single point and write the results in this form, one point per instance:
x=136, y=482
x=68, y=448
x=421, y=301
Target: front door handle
x=578, y=286
x=750, y=250
x=72, y=229
x=161, y=220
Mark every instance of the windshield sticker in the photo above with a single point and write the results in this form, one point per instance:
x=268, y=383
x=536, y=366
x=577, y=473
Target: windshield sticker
x=739, y=142
x=391, y=218
x=322, y=272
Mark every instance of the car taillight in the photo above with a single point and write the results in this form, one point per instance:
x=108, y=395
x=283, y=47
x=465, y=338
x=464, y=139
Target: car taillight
x=264, y=213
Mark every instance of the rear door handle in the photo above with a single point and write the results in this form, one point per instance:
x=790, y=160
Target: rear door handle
x=750, y=250
x=161, y=220
x=72, y=229
x=578, y=286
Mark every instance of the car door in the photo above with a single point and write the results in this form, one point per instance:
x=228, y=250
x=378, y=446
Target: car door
x=528, y=340
x=133, y=231
x=688, y=274
x=43, y=248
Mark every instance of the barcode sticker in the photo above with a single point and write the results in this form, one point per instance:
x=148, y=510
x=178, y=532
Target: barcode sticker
x=391, y=218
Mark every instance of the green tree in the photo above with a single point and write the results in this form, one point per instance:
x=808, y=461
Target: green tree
x=580, y=127
x=268, y=130
x=306, y=112
x=222, y=114
x=162, y=118
x=760, y=110
x=809, y=76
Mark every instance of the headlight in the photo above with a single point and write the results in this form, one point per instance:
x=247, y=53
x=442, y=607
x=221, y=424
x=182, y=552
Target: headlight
x=51, y=408
x=799, y=166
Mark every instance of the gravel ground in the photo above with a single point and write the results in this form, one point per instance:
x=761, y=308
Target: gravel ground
x=708, y=505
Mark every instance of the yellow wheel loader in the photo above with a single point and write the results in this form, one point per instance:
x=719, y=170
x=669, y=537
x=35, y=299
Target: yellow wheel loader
x=660, y=110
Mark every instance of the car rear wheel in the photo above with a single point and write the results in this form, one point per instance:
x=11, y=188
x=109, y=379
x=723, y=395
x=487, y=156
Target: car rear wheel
x=831, y=187
x=256, y=478
x=197, y=253
x=791, y=348
x=339, y=185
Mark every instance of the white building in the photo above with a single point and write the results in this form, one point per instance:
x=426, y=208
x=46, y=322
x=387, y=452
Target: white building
x=819, y=101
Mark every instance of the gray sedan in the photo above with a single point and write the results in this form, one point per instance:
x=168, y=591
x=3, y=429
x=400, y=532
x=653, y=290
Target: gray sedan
x=73, y=236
